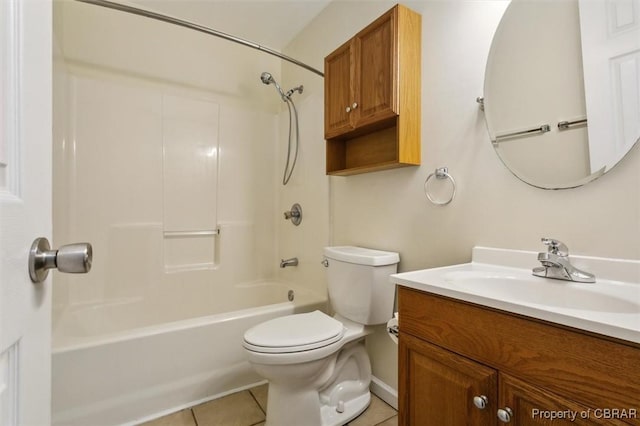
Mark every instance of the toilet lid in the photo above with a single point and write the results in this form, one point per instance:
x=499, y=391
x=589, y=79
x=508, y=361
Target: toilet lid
x=294, y=333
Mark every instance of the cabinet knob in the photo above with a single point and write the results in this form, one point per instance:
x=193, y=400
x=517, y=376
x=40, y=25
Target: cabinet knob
x=355, y=105
x=348, y=109
x=480, y=401
x=505, y=414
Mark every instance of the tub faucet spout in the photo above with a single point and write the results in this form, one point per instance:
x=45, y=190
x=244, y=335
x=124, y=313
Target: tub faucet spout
x=289, y=262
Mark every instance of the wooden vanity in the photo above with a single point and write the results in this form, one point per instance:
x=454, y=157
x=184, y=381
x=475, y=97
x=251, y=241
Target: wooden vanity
x=460, y=363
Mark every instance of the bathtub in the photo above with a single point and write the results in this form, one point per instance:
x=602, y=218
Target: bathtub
x=112, y=366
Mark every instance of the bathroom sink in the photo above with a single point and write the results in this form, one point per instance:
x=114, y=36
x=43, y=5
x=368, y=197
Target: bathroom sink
x=604, y=296
x=502, y=279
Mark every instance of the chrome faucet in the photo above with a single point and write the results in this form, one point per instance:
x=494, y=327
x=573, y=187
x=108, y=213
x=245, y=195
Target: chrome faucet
x=289, y=262
x=555, y=264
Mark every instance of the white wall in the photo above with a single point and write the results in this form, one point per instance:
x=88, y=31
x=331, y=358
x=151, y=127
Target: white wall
x=388, y=210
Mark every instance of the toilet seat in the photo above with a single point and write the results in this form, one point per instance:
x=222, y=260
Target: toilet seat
x=294, y=333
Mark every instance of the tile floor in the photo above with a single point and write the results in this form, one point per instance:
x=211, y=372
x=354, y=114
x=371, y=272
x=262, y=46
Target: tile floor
x=247, y=408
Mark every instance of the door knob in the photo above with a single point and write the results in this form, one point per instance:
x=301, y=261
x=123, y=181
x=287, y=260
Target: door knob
x=72, y=258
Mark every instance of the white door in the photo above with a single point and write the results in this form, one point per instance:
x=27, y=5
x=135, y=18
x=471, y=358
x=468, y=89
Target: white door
x=25, y=210
x=610, y=32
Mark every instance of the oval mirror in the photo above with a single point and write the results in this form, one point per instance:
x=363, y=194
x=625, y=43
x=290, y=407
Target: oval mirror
x=562, y=89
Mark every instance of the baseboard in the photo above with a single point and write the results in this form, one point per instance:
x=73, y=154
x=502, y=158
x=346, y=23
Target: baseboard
x=384, y=392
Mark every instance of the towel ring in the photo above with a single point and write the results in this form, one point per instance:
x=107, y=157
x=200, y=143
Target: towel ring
x=440, y=173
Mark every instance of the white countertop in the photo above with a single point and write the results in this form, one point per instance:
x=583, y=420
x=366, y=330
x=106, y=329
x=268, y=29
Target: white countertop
x=498, y=279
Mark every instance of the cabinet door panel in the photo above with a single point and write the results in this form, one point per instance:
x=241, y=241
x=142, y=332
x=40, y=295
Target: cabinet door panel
x=533, y=406
x=376, y=76
x=437, y=387
x=337, y=89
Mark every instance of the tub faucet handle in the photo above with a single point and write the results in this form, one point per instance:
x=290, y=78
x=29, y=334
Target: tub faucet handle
x=295, y=214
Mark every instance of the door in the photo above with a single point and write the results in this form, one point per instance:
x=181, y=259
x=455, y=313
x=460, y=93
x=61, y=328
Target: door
x=25, y=210
x=610, y=34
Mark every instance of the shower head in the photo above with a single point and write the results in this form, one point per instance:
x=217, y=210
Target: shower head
x=267, y=79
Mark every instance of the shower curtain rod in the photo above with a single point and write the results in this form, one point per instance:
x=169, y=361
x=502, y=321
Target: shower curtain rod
x=200, y=28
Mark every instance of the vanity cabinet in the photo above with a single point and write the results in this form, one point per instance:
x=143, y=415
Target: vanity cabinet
x=372, y=96
x=529, y=403
x=460, y=363
x=441, y=386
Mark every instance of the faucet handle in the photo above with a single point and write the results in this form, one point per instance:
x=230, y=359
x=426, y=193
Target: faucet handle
x=556, y=247
x=295, y=214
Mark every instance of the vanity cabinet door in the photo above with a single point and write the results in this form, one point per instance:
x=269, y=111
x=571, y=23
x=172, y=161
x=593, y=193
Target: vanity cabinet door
x=533, y=406
x=438, y=387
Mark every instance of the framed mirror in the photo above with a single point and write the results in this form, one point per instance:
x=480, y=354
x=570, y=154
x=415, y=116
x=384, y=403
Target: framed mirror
x=562, y=89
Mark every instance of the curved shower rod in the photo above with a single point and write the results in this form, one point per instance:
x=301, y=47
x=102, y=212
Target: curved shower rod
x=186, y=24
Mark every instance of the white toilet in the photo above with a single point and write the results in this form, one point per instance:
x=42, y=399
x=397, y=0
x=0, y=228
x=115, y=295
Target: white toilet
x=316, y=365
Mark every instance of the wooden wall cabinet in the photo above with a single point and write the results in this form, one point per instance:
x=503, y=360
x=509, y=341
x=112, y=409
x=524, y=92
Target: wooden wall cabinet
x=452, y=354
x=372, y=96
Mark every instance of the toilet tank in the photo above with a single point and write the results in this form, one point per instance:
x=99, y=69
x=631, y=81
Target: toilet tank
x=358, y=283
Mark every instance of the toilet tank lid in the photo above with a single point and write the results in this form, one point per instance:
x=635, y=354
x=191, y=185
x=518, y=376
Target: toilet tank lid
x=362, y=256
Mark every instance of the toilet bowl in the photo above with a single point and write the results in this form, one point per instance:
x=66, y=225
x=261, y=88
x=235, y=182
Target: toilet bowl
x=304, y=373
x=317, y=366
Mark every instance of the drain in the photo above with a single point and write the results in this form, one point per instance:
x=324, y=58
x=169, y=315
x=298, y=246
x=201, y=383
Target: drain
x=291, y=295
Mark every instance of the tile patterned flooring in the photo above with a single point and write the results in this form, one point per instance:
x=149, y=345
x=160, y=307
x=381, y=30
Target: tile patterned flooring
x=247, y=408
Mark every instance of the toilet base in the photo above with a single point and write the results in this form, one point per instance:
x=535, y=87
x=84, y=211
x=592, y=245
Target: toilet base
x=329, y=416
x=336, y=392
x=352, y=409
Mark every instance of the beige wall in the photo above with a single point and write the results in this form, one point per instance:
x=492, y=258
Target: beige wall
x=388, y=210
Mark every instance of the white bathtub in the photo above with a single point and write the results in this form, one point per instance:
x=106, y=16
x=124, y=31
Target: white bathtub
x=110, y=366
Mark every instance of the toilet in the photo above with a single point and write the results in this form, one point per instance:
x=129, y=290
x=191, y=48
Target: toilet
x=317, y=366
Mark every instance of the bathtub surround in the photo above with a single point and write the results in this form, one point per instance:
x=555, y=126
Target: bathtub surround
x=136, y=119
x=166, y=158
x=492, y=207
